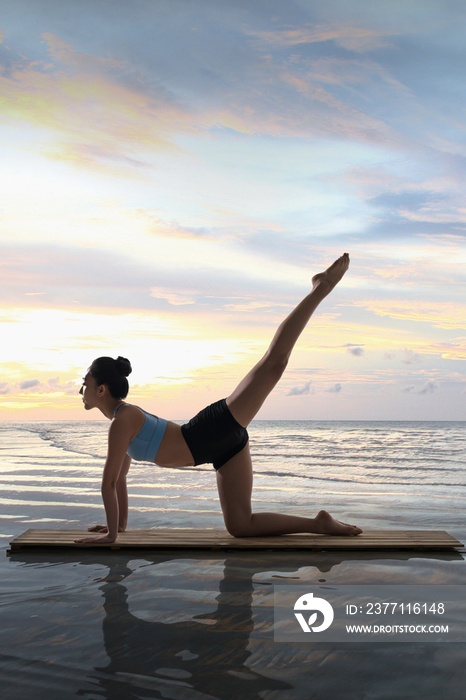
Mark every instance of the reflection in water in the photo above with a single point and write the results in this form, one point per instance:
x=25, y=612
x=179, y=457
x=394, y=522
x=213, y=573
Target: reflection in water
x=225, y=648
x=210, y=658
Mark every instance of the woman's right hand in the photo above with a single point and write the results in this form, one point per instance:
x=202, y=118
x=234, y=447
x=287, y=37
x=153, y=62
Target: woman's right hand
x=98, y=528
x=102, y=528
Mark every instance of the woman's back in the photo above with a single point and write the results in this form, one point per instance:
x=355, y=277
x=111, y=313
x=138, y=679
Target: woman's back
x=153, y=439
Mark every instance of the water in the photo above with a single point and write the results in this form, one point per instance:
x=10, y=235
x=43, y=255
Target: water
x=198, y=625
x=384, y=474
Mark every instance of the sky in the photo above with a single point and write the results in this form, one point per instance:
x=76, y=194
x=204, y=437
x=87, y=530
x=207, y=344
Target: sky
x=173, y=172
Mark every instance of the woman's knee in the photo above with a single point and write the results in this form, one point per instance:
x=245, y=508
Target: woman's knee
x=238, y=527
x=238, y=531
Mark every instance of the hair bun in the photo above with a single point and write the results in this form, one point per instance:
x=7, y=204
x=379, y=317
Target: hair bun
x=123, y=366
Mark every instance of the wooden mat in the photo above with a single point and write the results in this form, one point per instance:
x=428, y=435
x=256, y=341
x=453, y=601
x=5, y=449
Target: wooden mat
x=164, y=538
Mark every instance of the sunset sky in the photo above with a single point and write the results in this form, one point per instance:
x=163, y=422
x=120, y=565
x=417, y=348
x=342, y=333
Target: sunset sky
x=173, y=172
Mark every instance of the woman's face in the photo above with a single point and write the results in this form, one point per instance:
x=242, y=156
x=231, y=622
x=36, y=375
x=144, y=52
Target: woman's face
x=89, y=391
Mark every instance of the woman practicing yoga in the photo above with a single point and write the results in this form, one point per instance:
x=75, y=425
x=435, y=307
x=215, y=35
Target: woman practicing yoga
x=217, y=434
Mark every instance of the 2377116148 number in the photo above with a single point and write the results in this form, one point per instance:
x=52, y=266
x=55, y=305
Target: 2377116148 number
x=392, y=608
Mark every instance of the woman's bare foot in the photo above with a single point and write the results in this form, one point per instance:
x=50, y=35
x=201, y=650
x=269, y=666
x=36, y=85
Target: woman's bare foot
x=327, y=280
x=329, y=526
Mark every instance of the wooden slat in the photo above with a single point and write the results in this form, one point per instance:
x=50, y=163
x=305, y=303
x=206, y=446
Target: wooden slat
x=165, y=538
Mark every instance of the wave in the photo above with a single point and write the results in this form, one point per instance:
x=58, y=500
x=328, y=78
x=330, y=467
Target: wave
x=349, y=453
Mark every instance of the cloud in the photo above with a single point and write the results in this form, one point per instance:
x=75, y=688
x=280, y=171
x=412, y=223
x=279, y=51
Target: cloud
x=454, y=350
x=428, y=388
x=420, y=210
x=407, y=201
x=351, y=37
x=318, y=112
x=441, y=314
x=68, y=388
x=173, y=229
x=29, y=384
x=50, y=386
x=109, y=113
x=356, y=351
x=75, y=276
x=411, y=357
x=301, y=390
x=173, y=298
x=95, y=118
x=160, y=73
x=335, y=389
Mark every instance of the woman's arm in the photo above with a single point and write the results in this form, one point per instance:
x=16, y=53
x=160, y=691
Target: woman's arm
x=113, y=489
x=122, y=495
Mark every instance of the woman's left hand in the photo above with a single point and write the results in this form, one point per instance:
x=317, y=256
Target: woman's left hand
x=96, y=540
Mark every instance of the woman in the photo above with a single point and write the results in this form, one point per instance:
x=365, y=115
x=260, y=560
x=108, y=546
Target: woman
x=217, y=434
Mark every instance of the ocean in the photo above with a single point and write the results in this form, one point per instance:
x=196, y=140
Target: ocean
x=200, y=625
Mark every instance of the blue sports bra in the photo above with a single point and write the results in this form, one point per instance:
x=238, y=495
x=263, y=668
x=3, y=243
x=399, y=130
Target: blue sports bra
x=145, y=445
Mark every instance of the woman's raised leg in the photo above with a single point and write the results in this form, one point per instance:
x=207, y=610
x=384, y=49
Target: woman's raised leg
x=235, y=477
x=234, y=483
x=245, y=401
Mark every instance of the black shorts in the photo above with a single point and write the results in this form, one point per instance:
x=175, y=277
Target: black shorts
x=213, y=435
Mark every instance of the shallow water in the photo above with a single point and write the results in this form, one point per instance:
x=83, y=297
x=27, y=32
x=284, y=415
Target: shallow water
x=194, y=625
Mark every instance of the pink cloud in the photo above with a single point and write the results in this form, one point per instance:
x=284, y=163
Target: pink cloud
x=358, y=39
